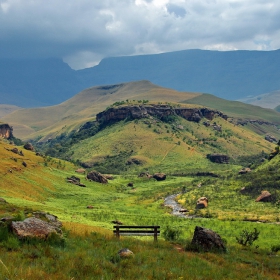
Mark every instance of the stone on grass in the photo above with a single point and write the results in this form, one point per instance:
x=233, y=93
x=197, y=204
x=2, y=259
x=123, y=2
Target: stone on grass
x=265, y=196
x=97, y=177
x=34, y=228
x=207, y=240
x=125, y=253
x=159, y=176
x=202, y=203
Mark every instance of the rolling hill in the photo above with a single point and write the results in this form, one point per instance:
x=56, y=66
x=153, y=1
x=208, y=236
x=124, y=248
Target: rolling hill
x=48, y=122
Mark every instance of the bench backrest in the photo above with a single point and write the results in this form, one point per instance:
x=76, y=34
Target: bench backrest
x=137, y=230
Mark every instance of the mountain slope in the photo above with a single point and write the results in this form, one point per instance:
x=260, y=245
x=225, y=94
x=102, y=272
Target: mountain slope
x=267, y=100
x=230, y=74
x=48, y=122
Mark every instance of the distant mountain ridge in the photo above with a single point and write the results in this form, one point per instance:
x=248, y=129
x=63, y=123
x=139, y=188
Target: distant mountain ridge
x=231, y=75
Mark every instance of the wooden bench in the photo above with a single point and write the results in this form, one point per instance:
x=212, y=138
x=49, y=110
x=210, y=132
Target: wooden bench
x=137, y=231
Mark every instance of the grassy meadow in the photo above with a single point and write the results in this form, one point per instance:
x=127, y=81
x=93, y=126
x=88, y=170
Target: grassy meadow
x=89, y=249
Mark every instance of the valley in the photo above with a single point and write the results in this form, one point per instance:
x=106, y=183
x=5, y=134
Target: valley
x=204, y=148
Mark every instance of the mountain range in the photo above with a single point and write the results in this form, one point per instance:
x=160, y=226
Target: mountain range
x=230, y=74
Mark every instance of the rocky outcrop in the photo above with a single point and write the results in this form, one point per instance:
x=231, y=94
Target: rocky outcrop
x=76, y=181
x=265, y=196
x=159, y=111
x=97, y=177
x=6, y=131
x=207, y=240
x=218, y=158
x=34, y=227
x=270, y=138
x=202, y=203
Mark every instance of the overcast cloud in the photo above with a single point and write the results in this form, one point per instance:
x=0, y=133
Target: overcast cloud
x=82, y=32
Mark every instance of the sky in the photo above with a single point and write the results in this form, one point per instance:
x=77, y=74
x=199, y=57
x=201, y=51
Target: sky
x=82, y=32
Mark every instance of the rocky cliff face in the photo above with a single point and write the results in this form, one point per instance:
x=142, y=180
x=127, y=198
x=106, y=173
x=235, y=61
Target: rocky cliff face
x=159, y=111
x=6, y=131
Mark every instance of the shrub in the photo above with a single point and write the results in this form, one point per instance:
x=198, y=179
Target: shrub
x=12, y=243
x=171, y=234
x=247, y=238
x=275, y=248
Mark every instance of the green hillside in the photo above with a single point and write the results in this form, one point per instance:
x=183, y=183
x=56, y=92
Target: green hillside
x=48, y=122
x=88, y=249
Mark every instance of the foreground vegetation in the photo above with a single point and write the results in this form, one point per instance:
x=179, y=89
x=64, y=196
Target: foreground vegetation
x=89, y=250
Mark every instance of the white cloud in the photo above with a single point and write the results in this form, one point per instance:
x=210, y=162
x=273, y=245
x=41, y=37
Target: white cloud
x=83, y=31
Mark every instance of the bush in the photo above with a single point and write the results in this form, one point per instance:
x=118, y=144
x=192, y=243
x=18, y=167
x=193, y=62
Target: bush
x=247, y=238
x=170, y=234
x=275, y=248
x=12, y=243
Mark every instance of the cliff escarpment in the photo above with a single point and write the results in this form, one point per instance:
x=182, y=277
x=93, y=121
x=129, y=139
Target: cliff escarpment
x=6, y=131
x=115, y=114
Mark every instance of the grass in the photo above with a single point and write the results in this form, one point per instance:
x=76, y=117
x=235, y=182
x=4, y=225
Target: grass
x=90, y=251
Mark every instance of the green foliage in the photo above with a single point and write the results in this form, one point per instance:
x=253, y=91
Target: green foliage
x=171, y=234
x=4, y=232
x=12, y=243
x=247, y=238
x=275, y=248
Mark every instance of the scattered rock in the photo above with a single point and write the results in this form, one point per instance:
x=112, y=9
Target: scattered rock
x=202, y=203
x=97, y=177
x=135, y=161
x=159, y=176
x=80, y=170
x=207, y=240
x=145, y=174
x=15, y=150
x=218, y=158
x=51, y=219
x=33, y=227
x=39, y=154
x=28, y=146
x=117, y=222
x=24, y=164
x=265, y=196
x=75, y=180
x=89, y=207
x=108, y=176
x=270, y=138
x=125, y=253
x=130, y=184
x=21, y=153
x=244, y=170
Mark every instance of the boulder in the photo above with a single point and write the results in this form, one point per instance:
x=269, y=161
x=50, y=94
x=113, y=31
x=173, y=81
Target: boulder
x=159, y=176
x=270, y=138
x=24, y=164
x=145, y=174
x=34, y=228
x=108, y=176
x=202, y=203
x=75, y=180
x=80, y=170
x=218, y=158
x=28, y=146
x=207, y=240
x=244, y=171
x=97, y=177
x=49, y=218
x=265, y=196
x=130, y=184
x=125, y=253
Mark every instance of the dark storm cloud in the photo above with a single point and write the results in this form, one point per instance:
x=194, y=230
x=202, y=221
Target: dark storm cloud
x=83, y=31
